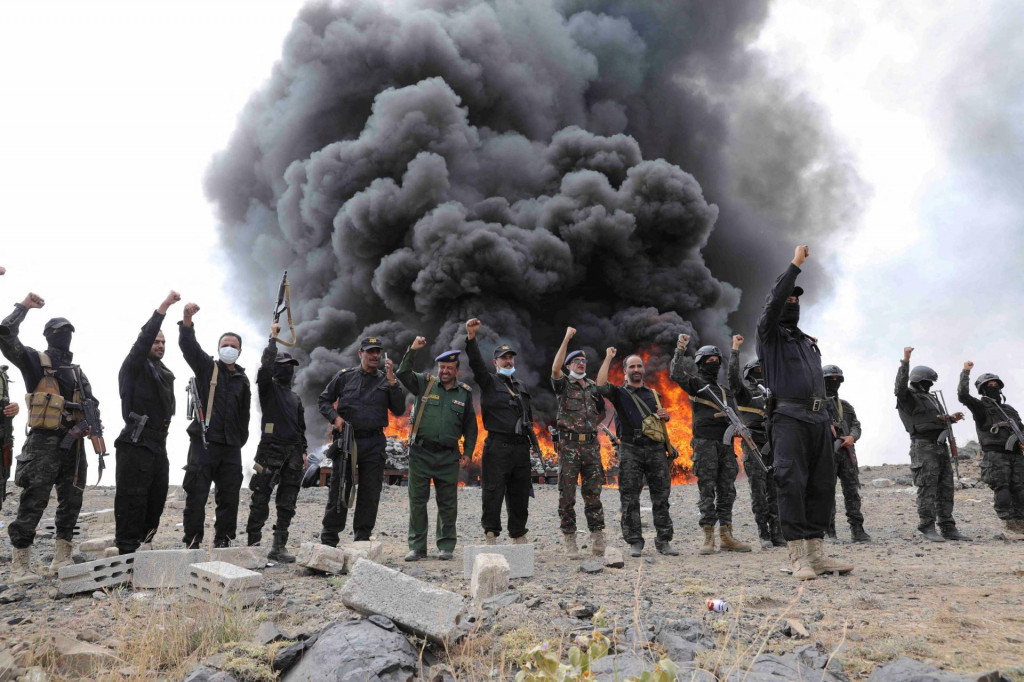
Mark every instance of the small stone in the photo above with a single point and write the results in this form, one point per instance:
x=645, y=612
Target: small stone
x=268, y=632
x=91, y=636
x=795, y=628
x=881, y=482
x=99, y=595
x=580, y=610
x=533, y=603
x=613, y=558
x=382, y=622
x=591, y=567
x=11, y=596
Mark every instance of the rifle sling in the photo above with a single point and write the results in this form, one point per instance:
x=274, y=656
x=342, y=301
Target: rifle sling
x=288, y=309
x=209, y=400
x=431, y=380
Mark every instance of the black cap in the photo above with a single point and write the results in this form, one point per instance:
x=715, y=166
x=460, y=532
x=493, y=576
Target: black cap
x=798, y=292
x=370, y=342
x=57, y=323
x=573, y=355
x=503, y=349
x=448, y=356
x=285, y=358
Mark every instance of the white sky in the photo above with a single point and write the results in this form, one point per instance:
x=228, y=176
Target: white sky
x=112, y=111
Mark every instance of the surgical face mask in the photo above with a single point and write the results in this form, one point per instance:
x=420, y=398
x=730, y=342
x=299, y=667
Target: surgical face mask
x=228, y=354
x=60, y=340
x=790, y=314
x=577, y=375
x=506, y=371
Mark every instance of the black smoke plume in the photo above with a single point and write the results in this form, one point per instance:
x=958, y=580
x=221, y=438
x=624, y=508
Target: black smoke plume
x=526, y=162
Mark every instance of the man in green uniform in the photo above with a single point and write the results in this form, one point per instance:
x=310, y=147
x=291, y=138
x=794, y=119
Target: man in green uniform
x=580, y=410
x=442, y=415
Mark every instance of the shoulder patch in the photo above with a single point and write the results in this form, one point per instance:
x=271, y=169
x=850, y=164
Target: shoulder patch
x=466, y=386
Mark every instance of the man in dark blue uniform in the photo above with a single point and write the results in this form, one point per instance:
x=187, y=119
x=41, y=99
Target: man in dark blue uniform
x=799, y=426
x=361, y=396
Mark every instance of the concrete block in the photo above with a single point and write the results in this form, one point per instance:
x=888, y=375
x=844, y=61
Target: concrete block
x=101, y=516
x=94, y=575
x=167, y=568
x=363, y=549
x=219, y=582
x=322, y=558
x=490, y=576
x=48, y=528
x=519, y=557
x=97, y=544
x=415, y=606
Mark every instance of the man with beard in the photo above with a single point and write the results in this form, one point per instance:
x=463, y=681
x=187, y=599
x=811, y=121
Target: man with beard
x=799, y=425
x=225, y=396
x=1002, y=457
x=506, y=472
x=714, y=462
x=847, y=433
x=643, y=452
x=580, y=410
x=281, y=452
x=47, y=459
x=930, y=463
x=751, y=398
x=361, y=396
x=147, y=405
x=442, y=416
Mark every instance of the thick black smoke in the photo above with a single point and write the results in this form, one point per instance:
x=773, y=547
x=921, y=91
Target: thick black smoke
x=413, y=166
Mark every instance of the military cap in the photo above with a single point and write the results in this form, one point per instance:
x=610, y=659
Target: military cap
x=798, y=292
x=573, y=355
x=448, y=356
x=370, y=342
x=285, y=358
x=57, y=323
x=503, y=349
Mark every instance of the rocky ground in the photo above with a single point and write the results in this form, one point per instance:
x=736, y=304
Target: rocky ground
x=957, y=606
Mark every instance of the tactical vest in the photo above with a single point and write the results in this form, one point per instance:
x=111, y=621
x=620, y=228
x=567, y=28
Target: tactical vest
x=995, y=441
x=46, y=404
x=753, y=415
x=923, y=420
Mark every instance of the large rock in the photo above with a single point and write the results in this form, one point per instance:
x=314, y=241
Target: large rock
x=413, y=604
x=621, y=666
x=490, y=576
x=207, y=674
x=162, y=568
x=95, y=575
x=772, y=668
x=908, y=670
x=519, y=558
x=357, y=650
x=80, y=660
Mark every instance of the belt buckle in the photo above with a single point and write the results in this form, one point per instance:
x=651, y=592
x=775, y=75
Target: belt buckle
x=816, y=405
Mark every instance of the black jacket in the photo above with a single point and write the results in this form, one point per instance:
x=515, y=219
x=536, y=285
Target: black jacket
x=147, y=388
x=229, y=423
x=363, y=399
x=503, y=400
x=283, y=421
x=708, y=421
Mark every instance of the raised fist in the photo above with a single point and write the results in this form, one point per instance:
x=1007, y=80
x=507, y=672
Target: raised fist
x=968, y=365
x=33, y=301
x=275, y=329
x=3, y=270
x=172, y=298
x=800, y=255
x=906, y=353
x=472, y=326
x=682, y=340
x=610, y=352
x=570, y=332
x=418, y=342
x=190, y=310
x=737, y=341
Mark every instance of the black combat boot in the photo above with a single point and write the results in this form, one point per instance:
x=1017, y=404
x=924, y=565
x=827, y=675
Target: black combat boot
x=858, y=534
x=221, y=543
x=665, y=547
x=636, y=548
x=254, y=539
x=777, y=538
x=764, y=534
x=930, y=533
x=954, y=534
x=279, y=552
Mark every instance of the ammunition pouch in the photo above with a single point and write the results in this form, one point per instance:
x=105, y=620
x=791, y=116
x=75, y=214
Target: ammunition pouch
x=45, y=409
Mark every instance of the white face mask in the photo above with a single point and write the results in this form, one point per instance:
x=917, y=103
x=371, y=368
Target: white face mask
x=228, y=354
x=576, y=375
x=507, y=371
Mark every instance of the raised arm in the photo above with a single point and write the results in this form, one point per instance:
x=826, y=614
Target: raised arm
x=782, y=290
x=736, y=384
x=481, y=373
x=964, y=395
x=556, y=365
x=10, y=344
x=409, y=378
x=683, y=370
x=200, y=362
x=265, y=373
x=602, y=374
x=902, y=388
x=147, y=336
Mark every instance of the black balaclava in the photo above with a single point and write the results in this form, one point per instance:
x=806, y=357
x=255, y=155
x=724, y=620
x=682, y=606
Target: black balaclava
x=991, y=392
x=708, y=371
x=832, y=386
x=925, y=386
x=284, y=373
x=60, y=339
x=790, y=316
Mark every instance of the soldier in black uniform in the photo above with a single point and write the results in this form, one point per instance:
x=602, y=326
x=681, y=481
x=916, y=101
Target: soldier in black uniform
x=714, y=462
x=363, y=394
x=219, y=462
x=508, y=418
x=8, y=410
x=751, y=399
x=1002, y=464
x=930, y=463
x=281, y=452
x=847, y=470
x=799, y=425
x=44, y=463
x=147, y=405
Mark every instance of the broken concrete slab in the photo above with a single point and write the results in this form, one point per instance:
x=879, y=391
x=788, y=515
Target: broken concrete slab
x=95, y=575
x=519, y=558
x=325, y=558
x=101, y=516
x=168, y=568
x=363, y=549
x=415, y=606
x=97, y=544
x=490, y=576
x=219, y=582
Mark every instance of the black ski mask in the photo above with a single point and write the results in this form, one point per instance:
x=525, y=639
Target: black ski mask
x=832, y=386
x=790, y=316
x=60, y=339
x=924, y=385
x=284, y=374
x=991, y=392
x=708, y=371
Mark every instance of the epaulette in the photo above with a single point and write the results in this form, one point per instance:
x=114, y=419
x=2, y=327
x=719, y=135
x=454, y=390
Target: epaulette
x=466, y=386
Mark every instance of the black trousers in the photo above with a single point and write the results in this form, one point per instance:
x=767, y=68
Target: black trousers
x=140, y=494
x=370, y=463
x=804, y=475
x=283, y=461
x=506, y=476
x=220, y=464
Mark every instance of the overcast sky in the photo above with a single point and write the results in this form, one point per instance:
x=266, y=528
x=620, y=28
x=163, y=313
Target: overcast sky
x=112, y=111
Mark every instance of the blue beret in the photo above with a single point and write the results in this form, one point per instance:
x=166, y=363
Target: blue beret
x=448, y=356
x=573, y=355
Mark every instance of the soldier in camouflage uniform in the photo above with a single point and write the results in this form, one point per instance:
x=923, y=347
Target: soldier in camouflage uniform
x=580, y=410
x=846, y=457
x=1002, y=463
x=751, y=399
x=714, y=461
x=929, y=455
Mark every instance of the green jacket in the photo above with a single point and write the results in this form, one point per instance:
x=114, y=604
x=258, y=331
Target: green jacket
x=448, y=413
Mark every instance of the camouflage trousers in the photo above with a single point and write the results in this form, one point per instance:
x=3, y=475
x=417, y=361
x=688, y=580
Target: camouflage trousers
x=764, y=496
x=637, y=463
x=933, y=476
x=580, y=461
x=1004, y=473
x=283, y=461
x=716, y=469
x=849, y=478
x=41, y=466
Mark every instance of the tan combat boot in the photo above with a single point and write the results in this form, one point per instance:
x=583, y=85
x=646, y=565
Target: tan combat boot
x=61, y=556
x=492, y=538
x=521, y=540
x=21, y=568
x=709, y=540
x=821, y=563
x=729, y=543
x=597, y=544
x=798, y=555
x=571, y=548
x=1011, y=530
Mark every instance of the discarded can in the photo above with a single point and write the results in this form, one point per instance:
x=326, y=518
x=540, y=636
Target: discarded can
x=719, y=605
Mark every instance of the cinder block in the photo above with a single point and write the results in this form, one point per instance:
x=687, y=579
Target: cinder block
x=94, y=575
x=412, y=604
x=519, y=557
x=101, y=516
x=48, y=528
x=222, y=583
x=363, y=549
x=164, y=568
x=490, y=576
x=322, y=558
x=97, y=544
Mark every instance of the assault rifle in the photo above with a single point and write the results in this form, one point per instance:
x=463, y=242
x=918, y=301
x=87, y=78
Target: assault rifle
x=6, y=434
x=89, y=423
x=195, y=408
x=342, y=454
x=1017, y=439
x=611, y=436
x=737, y=428
x=284, y=304
x=841, y=429
x=947, y=435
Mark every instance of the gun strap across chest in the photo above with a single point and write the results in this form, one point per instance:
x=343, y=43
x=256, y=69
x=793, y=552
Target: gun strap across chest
x=717, y=408
x=431, y=380
x=752, y=410
x=213, y=388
